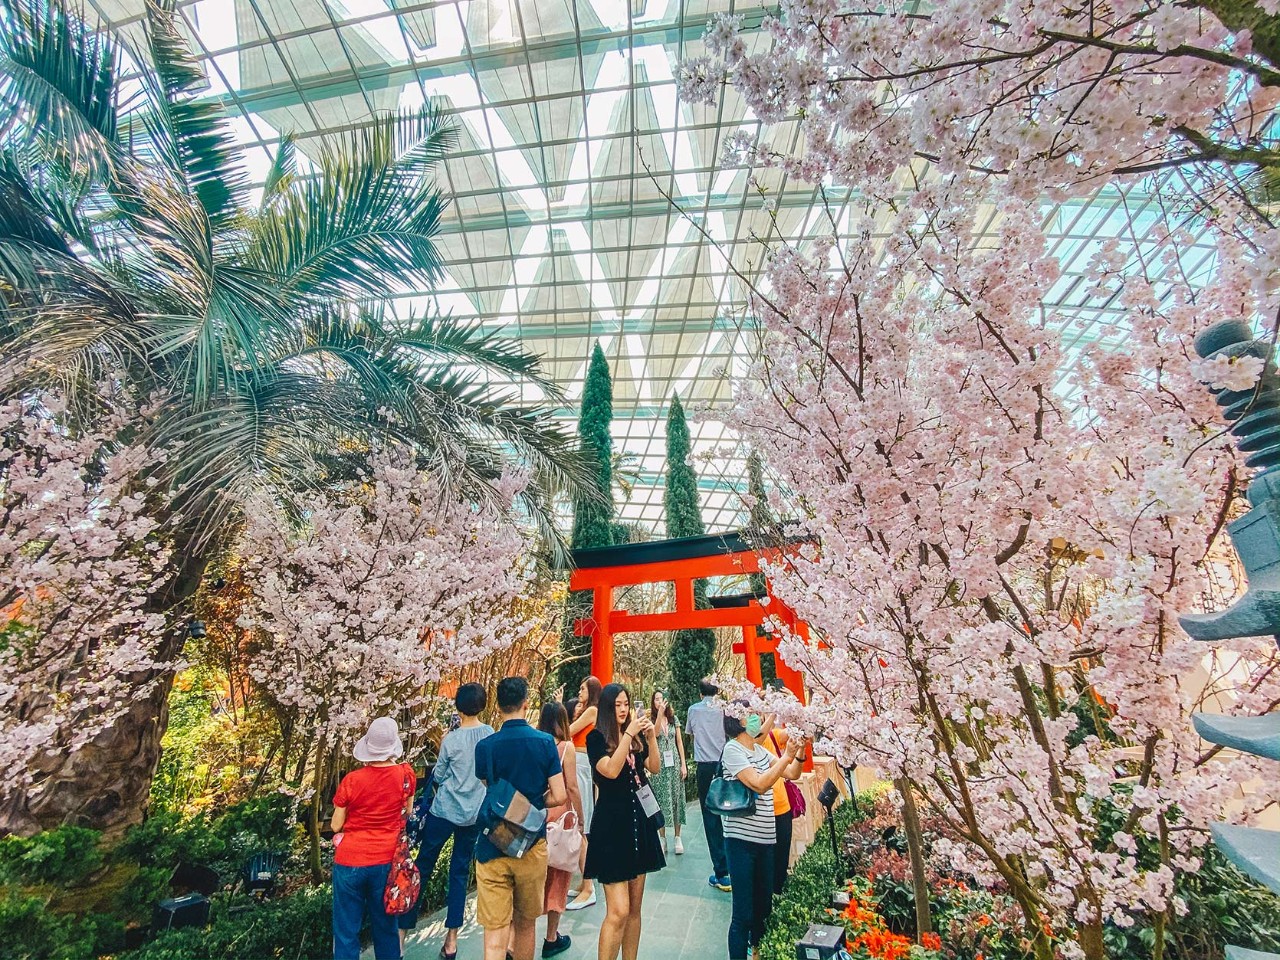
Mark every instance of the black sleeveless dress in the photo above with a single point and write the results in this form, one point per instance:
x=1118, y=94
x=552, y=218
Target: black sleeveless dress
x=623, y=843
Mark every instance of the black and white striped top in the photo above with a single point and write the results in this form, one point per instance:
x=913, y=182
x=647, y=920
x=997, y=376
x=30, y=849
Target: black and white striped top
x=760, y=826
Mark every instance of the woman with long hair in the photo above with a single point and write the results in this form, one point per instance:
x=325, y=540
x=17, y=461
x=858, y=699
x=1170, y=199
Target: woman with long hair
x=668, y=783
x=623, y=752
x=554, y=720
x=582, y=722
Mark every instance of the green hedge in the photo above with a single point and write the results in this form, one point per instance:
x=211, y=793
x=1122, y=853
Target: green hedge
x=807, y=893
x=296, y=927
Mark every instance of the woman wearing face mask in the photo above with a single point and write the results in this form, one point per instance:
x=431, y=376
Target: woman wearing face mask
x=749, y=841
x=623, y=752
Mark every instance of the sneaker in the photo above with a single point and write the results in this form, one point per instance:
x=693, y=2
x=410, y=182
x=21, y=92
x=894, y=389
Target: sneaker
x=553, y=948
x=723, y=884
x=679, y=846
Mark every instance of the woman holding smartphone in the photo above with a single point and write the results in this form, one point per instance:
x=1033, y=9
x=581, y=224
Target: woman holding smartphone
x=623, y=753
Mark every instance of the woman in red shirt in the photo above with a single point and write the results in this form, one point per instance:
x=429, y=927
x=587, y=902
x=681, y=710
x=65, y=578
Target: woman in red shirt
x=369, y=811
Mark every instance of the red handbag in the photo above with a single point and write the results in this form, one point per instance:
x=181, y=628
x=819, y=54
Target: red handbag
x=795, y=796
x=404, y=881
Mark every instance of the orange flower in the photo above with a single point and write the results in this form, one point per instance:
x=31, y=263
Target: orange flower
x=930, y=941
x=983, y=921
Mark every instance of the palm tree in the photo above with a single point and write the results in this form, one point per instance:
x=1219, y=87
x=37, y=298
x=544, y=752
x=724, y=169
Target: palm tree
x=246, y=342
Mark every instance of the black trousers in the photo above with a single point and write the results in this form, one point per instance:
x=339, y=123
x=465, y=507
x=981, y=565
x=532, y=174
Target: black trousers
x=712, y=825
x=782, y=852
x=751, y=870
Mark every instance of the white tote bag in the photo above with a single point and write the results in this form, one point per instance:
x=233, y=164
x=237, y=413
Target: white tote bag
x=564, y=842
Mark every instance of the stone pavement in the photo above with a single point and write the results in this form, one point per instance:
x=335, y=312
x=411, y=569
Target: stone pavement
x=684, y=919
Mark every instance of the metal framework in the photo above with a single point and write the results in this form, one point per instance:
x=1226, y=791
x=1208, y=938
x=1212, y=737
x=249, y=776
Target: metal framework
x=589, y=203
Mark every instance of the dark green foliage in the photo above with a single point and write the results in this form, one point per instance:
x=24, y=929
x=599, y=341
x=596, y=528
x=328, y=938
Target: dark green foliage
x=593, y=514
x=296, y=927
x=593, y=509
x=64, y=856
x=1223, y=907
x=224, y=843
x=807, y=893
x=762, y=528
x=693, y=652
x=29, y=930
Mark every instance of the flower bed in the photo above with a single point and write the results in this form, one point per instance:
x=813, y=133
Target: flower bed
x=975, y=922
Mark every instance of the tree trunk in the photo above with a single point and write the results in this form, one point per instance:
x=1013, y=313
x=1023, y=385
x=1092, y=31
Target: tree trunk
x=915, y=850
x=106, y=784
x=1091, y=942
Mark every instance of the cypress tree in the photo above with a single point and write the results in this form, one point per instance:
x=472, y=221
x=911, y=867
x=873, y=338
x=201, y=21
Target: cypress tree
x=593, y=516
x=762, y=529
x=692, y=654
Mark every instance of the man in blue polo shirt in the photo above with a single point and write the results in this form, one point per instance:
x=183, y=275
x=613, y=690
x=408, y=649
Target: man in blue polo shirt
x=509, y=890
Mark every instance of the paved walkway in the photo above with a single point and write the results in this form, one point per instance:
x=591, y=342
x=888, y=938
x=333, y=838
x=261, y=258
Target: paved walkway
x=684, y=919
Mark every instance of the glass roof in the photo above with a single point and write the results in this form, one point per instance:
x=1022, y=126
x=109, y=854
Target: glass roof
x=572, y=145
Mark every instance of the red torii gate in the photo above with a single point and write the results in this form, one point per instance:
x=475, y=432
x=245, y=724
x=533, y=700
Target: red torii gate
x=681, y=562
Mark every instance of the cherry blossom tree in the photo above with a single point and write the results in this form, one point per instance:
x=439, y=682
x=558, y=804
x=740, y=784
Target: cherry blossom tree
x=1044, y=97
x=1004, y=530
x=382, y=587
x=81, y=572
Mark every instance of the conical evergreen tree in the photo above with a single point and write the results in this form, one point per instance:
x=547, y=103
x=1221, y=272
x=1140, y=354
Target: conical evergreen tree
x=692, y=654
x=593, y=514
x=762, y=528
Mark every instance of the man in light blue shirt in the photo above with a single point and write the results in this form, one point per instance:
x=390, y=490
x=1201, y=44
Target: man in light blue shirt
x=706, y=724
x=458, y=796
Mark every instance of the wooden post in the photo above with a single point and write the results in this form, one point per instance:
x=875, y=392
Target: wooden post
x=751, y=656
x=601, y=637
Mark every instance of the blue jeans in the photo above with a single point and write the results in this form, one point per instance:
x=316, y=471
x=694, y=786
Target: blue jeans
x=751, y=870
x=435, y=831
x=357, y=891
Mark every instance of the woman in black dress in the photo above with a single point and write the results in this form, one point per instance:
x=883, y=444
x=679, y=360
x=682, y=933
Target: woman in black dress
x=623, y=751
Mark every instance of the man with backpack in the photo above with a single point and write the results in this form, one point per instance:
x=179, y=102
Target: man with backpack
x=520, y=767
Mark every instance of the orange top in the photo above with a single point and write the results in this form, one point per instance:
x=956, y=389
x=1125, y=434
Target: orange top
x=781, y=804
x=580, y=738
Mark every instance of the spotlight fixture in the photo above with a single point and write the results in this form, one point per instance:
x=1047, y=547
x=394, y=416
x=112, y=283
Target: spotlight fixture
x=828, y=796
x=195, y=628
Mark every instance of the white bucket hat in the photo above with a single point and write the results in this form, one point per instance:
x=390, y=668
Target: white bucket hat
x=382, y=742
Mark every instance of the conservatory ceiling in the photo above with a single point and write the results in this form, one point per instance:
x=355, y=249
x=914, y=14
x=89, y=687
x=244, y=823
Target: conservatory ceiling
x=572, y=147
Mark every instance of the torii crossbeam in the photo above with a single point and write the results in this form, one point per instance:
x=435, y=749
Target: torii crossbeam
x=681, y=562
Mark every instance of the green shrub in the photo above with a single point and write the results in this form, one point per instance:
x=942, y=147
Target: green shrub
x=807, y=892
x=66, y=856
x=29, y=930
x=296, y=927
x=224, y=843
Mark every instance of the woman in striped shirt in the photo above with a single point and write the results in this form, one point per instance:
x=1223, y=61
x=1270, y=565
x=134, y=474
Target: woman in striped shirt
x=749, y=841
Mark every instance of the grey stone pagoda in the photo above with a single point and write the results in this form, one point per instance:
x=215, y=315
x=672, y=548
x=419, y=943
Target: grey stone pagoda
x=1254, y=416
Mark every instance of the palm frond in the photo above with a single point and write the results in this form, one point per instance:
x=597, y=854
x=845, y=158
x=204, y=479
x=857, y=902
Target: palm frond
x=421, y=139
x=435, y=339
x=192, y=135
x=58, y=83
x=24, y=211
x=282, y=172
x=365, y=225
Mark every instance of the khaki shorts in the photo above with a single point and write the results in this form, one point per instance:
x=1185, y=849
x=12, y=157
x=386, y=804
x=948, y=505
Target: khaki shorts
x=508, y=884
